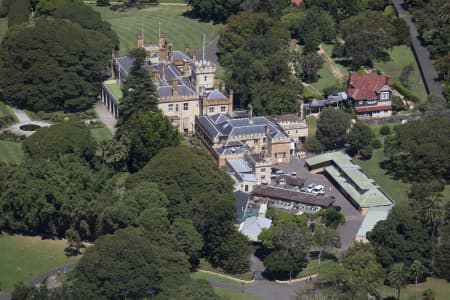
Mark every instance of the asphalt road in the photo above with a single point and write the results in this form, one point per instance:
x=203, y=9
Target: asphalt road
x=428, y=71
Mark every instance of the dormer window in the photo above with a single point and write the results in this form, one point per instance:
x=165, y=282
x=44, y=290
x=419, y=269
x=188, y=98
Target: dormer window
x=384, y=96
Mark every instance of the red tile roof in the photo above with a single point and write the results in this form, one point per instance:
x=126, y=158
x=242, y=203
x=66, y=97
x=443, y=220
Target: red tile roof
x=372, y=108
x=297, y=2
x=367, y=86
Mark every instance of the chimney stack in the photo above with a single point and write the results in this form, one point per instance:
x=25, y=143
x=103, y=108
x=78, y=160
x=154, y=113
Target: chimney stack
x=163, y=72
x=154, y=75
x=175, y=88
x=267, y=128
x=162, y=40
x=170, y=53
x=250, y=114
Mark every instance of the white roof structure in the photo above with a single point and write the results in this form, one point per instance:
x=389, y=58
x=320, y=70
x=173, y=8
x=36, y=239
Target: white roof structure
x=253, y=226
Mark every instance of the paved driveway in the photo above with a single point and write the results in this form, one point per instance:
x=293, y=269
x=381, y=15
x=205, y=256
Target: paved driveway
x=353, y=218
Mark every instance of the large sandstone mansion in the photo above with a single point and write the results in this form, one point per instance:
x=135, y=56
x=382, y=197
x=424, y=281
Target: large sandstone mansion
x=192, y=97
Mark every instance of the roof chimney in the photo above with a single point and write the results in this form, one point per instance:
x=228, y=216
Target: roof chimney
x=163, y=72
x=267, y=128
x=250, y=114
x=170, y=53
x=162, y=40
x=154, y=75
x=175, y=87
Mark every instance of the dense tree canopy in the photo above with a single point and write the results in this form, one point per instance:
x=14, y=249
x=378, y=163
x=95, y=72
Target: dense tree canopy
x=367, y=36
x=42, y=69
x=198, y=190
x=127, y=265
x=64, y=138
x=146, y=134
x=87, y=17
x=360, y=137
x=214, y=10
x=260, y=43
x=358, y=275
x=418, y=151
x=401, y=238
x=332, y=128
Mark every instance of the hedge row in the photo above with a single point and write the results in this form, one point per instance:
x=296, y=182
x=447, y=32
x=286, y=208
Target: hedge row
x=405, y=92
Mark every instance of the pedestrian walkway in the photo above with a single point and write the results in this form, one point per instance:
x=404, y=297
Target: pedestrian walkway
x=105, y=117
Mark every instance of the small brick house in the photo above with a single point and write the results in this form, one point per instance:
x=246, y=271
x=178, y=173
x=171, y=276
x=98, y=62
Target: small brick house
x=370, y=94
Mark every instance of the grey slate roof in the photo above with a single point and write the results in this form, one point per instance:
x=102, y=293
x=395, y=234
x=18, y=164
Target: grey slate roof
x=241, y=205
x=125, y=63
x=178, y=55
x=215, y=95
x=341, y=96
x=221, y=125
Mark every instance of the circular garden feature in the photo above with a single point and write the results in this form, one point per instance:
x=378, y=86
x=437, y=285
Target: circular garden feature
x=29, y=127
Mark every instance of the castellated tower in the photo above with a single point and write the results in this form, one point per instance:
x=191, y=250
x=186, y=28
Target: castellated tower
x=203, y=75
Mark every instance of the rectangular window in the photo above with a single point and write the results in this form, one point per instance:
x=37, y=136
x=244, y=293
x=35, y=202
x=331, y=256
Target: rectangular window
x=185, y=106
x=170, y=107
x=211, y=109
x=206, y=78
x=246, y=188
x=263, y=169
x=384, y=96
x=280, y=155
x=177, y=107
x=264, y=140
x=223, y=109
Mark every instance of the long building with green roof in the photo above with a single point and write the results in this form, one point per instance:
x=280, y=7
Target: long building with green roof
x=351, y=180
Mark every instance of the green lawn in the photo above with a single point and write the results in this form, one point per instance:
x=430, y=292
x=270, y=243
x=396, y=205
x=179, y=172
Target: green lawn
x=401, y=56
x=233, y=295
x=395, y=188
x=10, y=152
x=179, y=30
x=24, y=258
x=212, y=277
x=328, y=48
x=312, y=125
x=313, y=267
x=376, y=128
x=101, y=134
x=326, y=78
x=6, y=110
x=205, y=265
x=3, y=27
x=440, y=287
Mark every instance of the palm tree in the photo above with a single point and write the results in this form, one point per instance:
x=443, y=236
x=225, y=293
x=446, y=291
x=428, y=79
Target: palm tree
x=416, y=269
x=431, y=214
x=398, y=277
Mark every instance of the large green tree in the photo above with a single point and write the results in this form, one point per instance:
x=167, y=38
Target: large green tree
x=332, y=128
x=367, y=36
x=260, y=43
x=418, y=151
x=146, y=134
x=441, y=257
x=70, y=137
x=128, y=265
x=42, y=69
x=360, y=137
x=401, y=238
x=359, y=275
x=214, y=10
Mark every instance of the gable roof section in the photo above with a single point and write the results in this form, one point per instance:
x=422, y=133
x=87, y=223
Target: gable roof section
x=367, y=86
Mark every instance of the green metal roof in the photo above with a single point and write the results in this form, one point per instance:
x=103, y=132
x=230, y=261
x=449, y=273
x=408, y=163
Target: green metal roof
x=361, y=188
x=374, y=215
x=115, y=90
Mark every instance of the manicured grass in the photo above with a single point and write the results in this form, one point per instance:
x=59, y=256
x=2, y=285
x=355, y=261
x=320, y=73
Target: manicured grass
x=11, y=152
x=179, y=30
x=326, y=78
x=312, y=125
x=101, y=134
x=402, y=56
x=24, y=258
x=205, y=265
x=6, y=110
x=3, y=27
x=440, y=287
x=376, y=128
x=233, y=295
x=328, y=48
x=212, y=277
x=313, y=267
x=397, y=189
